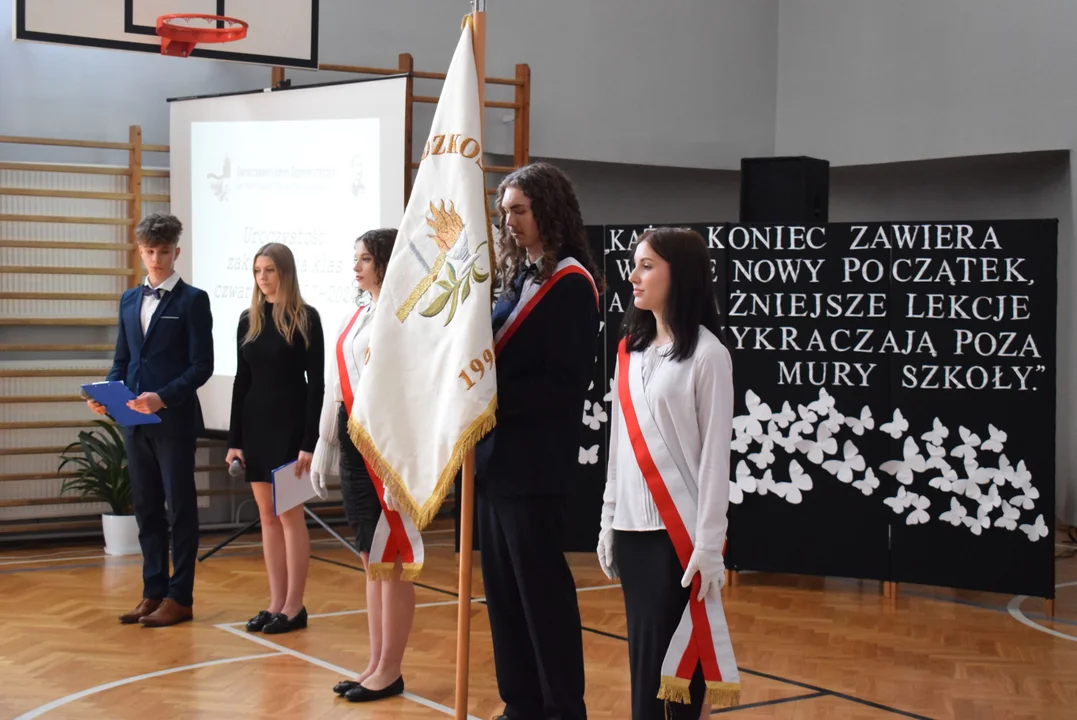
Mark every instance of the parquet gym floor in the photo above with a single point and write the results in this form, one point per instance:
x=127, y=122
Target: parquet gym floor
x=808, y=648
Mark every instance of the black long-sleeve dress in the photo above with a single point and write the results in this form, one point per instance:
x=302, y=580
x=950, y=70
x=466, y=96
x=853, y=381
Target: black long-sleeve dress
x=277, y=394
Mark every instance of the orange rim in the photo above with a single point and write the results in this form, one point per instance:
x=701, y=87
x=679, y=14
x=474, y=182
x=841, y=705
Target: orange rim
x=185, y=34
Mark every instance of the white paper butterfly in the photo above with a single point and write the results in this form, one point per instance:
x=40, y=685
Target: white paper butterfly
x=824, y=404
x=956, y=514
x=996, y=440
x=896, y=427
x=979, y=523
x=919, y=515
x=862, y=423
x=758, y=413
x=799, y=482
x=937, y=434
x=1009, y=517
x=913, y=463
x=969, y=442
x=868, y=484
x=589, y=456
x=843, y=469
x=1037, y=530
x=786, y=416
x=817, y=449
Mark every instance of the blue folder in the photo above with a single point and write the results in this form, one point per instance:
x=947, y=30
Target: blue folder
x=114, y=395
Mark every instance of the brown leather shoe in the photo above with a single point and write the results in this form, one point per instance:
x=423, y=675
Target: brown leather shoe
x=147, y=606
x=170, y=613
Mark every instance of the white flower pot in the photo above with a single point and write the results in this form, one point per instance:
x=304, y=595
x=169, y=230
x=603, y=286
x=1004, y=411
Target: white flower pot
x=121, y=535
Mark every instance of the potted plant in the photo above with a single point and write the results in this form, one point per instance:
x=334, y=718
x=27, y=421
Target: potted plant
x=101, y=474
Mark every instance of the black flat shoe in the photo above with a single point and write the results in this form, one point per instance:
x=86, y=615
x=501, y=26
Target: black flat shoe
x=259, y=621
x=344, y=686
x=362, y=694
x=281, y=623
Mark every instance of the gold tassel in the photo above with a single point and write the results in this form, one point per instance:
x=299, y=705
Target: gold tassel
x=675, y=689
x=380, y=571
x=410, y=572
x=723, y=694
x=423, y=516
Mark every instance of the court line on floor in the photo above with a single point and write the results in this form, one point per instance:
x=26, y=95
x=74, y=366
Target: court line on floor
x=38, y=712
x=806, y=686
x=334, y=668
x=768, y=703
x=1017, y=614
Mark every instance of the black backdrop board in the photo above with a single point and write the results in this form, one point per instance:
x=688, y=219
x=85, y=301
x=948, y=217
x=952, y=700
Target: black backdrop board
x=585, y=504
x=872, y=513
x=977, y=509
x=812, y=377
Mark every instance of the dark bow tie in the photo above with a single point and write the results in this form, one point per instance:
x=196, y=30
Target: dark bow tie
x=156, y=292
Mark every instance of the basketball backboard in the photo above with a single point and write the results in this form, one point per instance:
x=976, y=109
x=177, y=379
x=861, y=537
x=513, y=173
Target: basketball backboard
x=281, y=32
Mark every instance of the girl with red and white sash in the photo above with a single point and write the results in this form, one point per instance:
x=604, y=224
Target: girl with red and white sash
x=663, y=526
x=388, y=542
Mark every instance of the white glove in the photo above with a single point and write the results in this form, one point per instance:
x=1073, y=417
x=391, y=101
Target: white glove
x=317, y=480
x=605, y=553
x=711, y=568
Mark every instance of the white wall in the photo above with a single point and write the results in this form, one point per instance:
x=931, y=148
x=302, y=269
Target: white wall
x=871, y=81
x=690, y=83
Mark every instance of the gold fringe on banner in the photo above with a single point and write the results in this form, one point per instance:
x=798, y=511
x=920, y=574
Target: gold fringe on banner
x=384, y=571
x=423, y=516
x=723, y=694
x=675, y=689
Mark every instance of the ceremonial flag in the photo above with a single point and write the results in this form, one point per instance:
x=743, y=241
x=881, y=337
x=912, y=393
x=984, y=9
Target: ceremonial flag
x=428, y=391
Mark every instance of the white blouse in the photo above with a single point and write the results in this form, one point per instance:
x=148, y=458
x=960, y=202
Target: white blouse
x=326, y=458
x=692, y=404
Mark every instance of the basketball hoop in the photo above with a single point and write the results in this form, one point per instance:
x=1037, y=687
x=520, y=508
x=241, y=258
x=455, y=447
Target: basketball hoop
x=182, y=31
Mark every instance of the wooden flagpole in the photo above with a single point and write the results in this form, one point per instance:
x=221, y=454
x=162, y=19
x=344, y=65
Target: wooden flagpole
x=467, y=484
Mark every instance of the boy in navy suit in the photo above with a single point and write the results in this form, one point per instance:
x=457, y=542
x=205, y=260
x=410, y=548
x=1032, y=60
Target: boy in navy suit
x=164, y=353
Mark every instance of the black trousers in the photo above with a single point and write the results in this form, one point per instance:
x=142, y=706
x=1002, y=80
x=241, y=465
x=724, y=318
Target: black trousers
x=531, y=600
x=164, y=498
x=654, y=601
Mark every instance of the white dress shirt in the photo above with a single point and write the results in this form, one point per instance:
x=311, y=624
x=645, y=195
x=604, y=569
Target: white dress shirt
x=691, y=402
x=150, y=303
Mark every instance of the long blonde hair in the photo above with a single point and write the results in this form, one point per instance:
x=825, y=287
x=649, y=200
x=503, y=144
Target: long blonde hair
x=289, y=311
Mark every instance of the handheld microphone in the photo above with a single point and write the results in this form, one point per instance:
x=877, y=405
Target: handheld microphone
x=236, y=468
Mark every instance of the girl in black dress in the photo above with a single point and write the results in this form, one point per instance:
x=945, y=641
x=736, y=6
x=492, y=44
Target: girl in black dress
x=276, y=398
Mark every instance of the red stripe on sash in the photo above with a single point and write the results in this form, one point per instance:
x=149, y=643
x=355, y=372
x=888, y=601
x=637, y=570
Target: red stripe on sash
x=702, y=646
x=398, y=537
x=543, y=289
x=342, y=368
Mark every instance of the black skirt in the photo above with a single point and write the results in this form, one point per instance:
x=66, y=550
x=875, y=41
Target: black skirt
x=361, y=504
x=654, y=602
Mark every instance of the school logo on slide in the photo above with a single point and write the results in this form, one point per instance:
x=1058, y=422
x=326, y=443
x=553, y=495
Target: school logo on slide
x=219, y=183
x=453, y=256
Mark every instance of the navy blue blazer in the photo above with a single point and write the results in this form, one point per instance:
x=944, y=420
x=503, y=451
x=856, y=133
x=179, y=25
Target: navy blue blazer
x=173, y=360
x=543, y=373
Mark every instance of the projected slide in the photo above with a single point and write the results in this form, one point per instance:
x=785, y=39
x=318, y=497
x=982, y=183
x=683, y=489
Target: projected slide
x=313, y=185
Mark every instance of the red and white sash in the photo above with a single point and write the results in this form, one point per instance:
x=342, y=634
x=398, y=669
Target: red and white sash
x=395, y=535
x=531, y=296
x=702, y=635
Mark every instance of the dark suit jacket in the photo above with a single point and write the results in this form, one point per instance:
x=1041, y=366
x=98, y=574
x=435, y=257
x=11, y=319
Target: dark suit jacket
x=543, y=373
x=174, y=359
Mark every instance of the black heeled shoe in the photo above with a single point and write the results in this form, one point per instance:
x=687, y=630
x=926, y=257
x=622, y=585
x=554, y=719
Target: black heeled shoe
x=362, y=694
x=259, y=621
x=281, y=623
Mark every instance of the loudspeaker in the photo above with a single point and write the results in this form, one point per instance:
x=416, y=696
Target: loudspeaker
x=784, y=189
